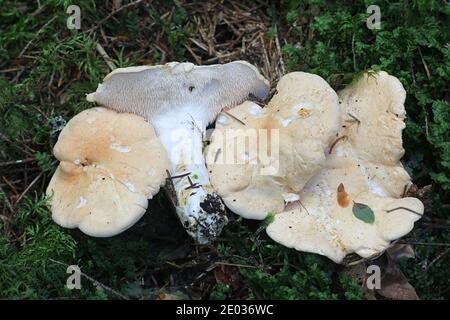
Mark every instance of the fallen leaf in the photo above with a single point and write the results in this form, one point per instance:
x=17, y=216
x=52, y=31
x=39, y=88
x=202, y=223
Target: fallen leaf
x=394, y=284
x=175, y=295
x=228, y=275
x=399, y=251
x=342, y=196
x=363, y=212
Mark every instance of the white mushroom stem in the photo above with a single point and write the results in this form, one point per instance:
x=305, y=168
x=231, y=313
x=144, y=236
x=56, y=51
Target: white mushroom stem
x=199, y=209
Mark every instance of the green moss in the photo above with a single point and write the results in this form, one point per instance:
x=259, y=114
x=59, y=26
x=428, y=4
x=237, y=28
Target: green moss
x=221, y=291
x=351, y=289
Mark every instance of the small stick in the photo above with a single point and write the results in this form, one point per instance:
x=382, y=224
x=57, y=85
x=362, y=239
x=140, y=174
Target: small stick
x=442, y=254
x=14, y=182
x=11, y=69
x=418, y=243
x=105, y=56
x=179, y=176
x=192, y=185
x=235, y=265
x=403, y=208
x=353, y=53
x=113, y=13
x=277, y=43
x=433, y=225
x=372, y=257
x=9, y=184
x=427, y=71
x=217, y=155
x=36, y=35
x=28, y=188
x=7, y=163
x=235, y=118
x=171, y=192
x=8, y=203
x=405, y=190
x=304, y=207
x=196, y=57
x=355, y=119
x=335, y=142
x=95, y=282
x=25, y=149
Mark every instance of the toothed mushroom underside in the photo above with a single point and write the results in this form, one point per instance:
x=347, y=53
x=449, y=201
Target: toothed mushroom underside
x=180, y=100
x=339, y=184
x=106, y=172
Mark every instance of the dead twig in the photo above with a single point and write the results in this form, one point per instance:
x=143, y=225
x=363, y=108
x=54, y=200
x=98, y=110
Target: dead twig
x=404, y=208
x=418, y=243
x=234, y=117
x=235, y=265
x=216, y=156
x=28, y=188
x=354, y=119
x=372, y=257
x=179, y=176
x=109, y=16
x=335, y=142
x=25, y=148
x=280, y=54
x=355, y=68
x=192, y=185
x=11, y=69
x=13, y=162
x=105, y=56
x=35, y=36
x=8, y=203
x=95, y=282
x=425, y=66
x=439, y=257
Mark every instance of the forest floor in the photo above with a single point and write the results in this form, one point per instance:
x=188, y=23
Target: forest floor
x=46, y=70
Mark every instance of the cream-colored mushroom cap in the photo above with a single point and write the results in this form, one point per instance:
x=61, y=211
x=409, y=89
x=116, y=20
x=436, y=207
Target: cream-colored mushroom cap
x=354, y=204
x=373, y=115
x=110, y=164
x=377, y=101
x=320, y=224
x=260, y=158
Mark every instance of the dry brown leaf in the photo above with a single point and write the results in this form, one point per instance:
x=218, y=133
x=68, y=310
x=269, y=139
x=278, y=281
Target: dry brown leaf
x=229, y=276
x=342, y=196
x=394, y=284
x=177, y=295
x=399, y=251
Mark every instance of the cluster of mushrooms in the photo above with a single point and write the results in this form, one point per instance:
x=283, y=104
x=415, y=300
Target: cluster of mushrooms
x=325, y=165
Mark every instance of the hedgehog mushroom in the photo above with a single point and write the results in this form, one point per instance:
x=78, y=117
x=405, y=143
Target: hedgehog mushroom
x=180, y=100
x=355, y=203
x=286, y=145
x=106, y=172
